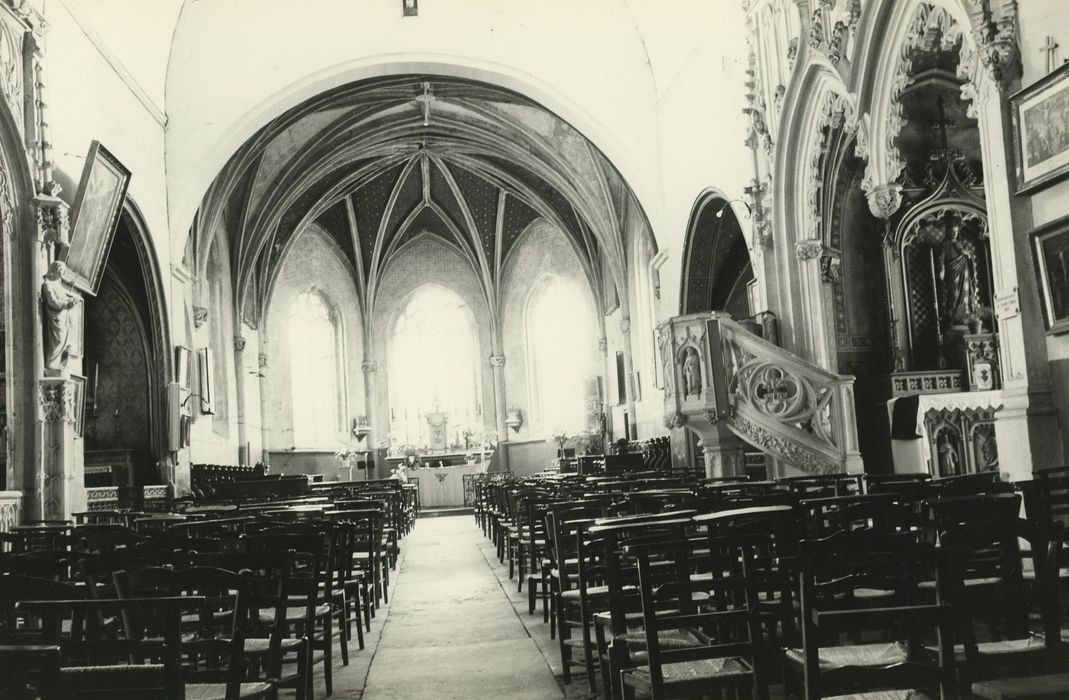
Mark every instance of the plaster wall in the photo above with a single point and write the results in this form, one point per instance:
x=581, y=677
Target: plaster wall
x=313, y=263
x=88, y=98
x=1040, y=19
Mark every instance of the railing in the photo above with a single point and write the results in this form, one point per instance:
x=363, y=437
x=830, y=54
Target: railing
x=784, y=405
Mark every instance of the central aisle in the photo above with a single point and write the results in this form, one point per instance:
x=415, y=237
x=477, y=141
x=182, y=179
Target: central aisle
x=451, y=631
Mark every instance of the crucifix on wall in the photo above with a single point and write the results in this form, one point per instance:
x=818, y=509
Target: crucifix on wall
x=1049, y=47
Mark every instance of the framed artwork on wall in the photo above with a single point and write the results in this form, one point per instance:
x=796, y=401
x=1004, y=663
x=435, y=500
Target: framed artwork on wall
x=78, y=382
x=206, y=370
x=1041, y=131
x=182, y=356
x=1050, y=249
x=94, y=216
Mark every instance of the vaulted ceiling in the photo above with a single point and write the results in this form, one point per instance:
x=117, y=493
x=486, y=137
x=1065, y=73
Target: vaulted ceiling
x=376, y=163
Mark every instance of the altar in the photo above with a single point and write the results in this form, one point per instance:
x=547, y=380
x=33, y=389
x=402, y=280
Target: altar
x=444, y=486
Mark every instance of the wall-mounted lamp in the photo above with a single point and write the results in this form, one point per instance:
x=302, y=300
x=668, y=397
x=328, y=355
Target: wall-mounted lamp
x=514, y=419
x=720, y=212
x=361, y=427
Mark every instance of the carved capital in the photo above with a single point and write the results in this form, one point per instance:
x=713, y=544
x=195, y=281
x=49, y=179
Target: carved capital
x=809, y=249
x=369, y=366
x=239, y=343
x=200, y=316
x=261, y=361
x=57, y=399
x=497, y=360
x=603, y=344
x=625, y=325
x=674, y=420
x=763, y=235
x=53, y=221
x=996, y=40
x=884, y=200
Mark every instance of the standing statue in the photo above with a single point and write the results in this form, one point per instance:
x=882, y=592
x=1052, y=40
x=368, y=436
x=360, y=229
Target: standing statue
x=692, y=374
x=957, y=274
x=57, y=301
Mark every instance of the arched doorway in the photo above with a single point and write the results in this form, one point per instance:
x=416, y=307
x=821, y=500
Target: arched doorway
x=127, y=364
x=717, y=271
x=717, y=276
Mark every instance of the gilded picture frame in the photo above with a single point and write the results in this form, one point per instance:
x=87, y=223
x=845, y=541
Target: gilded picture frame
x=94, y=216
x=1040, y=115
x=1050, y=251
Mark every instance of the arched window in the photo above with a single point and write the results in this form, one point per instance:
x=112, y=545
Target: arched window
x=318, y=380
x=561, y=336
x=433, y=366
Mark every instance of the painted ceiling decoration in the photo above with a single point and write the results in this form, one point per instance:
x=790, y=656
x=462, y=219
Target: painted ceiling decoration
x=377, y=163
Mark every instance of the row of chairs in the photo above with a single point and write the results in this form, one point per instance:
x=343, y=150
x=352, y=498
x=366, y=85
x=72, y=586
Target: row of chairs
x=949, y=581
x=235, y=601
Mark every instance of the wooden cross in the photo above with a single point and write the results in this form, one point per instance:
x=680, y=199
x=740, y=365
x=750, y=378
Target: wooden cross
x=1049, y=48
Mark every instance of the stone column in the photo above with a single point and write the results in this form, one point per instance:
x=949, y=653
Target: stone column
x=239, y=395
x=370, y=367
x=497, y=363
x=629, y=373
x=60, y=484
x=724, y=455
x=265, y=432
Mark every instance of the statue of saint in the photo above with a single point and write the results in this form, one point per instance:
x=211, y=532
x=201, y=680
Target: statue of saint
x=57, y=301
x=692, y=374
x=957, y=274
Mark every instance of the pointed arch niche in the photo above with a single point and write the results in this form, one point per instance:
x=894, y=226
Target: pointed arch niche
x=717, y=271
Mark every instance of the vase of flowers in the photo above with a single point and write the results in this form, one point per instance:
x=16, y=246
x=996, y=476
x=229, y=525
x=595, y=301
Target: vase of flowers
x=347, y=459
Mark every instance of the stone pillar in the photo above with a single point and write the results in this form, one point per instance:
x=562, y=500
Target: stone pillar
x=497, y=363
x=369, y=368
x=724, y=454
x=265, y=431
x=239, y=396
x=60, y=484
x=629, y=373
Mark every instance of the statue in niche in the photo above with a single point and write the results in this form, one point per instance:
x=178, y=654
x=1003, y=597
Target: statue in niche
x=692, y=373
x=957, y=275
x=949, y=460
x=57, y=301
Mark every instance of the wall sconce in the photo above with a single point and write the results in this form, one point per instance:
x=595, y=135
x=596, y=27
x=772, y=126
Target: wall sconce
x=361, y=427
x=514, y=419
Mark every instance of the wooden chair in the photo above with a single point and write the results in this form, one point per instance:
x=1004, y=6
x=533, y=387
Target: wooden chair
x=310, y=611
x=995, y=635
x=721, y=625
x=284, y=652
x=94, y=664
x=31, y=671
x=824, y=666
x=620, y=640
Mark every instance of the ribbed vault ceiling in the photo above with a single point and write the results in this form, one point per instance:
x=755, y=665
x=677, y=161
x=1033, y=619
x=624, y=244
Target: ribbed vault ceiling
x=377, y=163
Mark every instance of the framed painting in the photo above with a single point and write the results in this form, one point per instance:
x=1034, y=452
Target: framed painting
x=1050, y=248
x=182, y=357
x=1041, y=131
x=95, y=213
x=78, y=384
